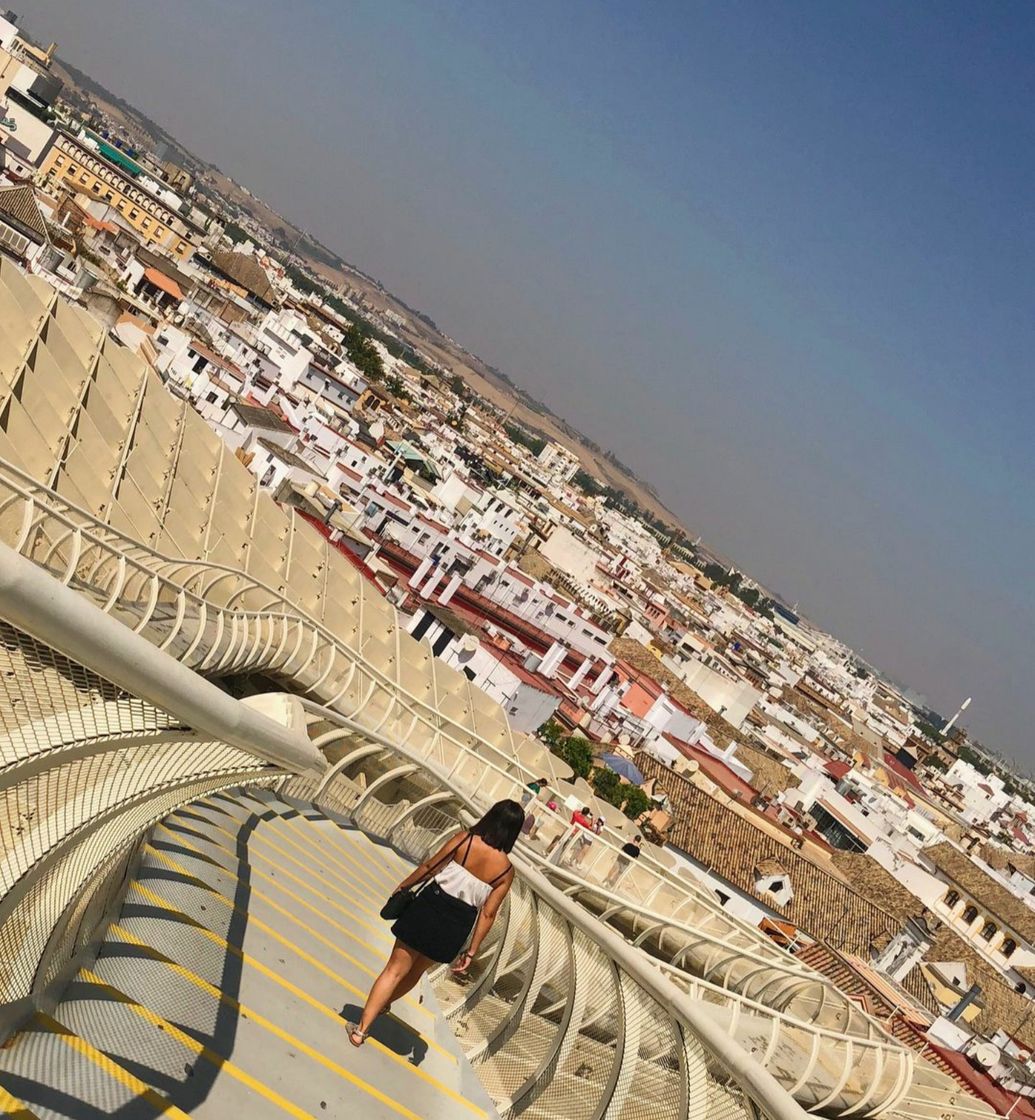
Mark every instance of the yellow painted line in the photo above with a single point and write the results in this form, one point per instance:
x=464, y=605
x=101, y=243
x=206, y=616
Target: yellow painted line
x=373, y=884
x=279, y=886
x=160, y=1104
x=355, y=883
x=268, y=929
x=268, y=1025
x=383, y=882
x=13, y=1108
x=352, y=911
x=389, y=876
x=363, y=890
x=253, y=962
x=293, y=918
x=224, y=1065
x=376, y=889
x=386, y=858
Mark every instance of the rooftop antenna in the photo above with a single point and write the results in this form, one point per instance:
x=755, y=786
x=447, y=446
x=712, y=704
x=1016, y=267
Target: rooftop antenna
x=962, y=708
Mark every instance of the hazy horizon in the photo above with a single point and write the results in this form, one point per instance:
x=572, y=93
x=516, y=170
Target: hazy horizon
x=779, y=260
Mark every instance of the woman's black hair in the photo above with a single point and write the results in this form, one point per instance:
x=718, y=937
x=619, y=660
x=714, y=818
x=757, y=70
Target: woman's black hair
x=501, y=825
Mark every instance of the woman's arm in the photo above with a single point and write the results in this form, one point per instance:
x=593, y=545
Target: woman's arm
x=439, y=857
x=486, y=916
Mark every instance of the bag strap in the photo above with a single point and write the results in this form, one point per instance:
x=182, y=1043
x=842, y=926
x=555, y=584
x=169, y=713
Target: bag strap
x=443, y=861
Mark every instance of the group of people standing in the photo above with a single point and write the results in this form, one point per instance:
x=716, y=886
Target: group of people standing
x=573, y=843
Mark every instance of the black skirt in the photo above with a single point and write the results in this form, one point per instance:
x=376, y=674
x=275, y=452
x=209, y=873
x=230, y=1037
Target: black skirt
x=436, y=924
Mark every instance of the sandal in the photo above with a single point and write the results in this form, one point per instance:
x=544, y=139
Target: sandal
x=355, y=1032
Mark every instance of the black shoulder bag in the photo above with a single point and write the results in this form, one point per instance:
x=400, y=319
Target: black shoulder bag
x=400, y=901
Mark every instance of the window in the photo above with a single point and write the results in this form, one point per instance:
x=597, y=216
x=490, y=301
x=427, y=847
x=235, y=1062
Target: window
x=951, y=899
x=988, y=931
x=423, y=626
x=970, y=914
x=1009, y=947
x=212, y=397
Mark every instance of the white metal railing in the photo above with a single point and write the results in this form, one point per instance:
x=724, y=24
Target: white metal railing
x=852, y=1074
x=169, y=600
x=60, y=765
x=101, y=735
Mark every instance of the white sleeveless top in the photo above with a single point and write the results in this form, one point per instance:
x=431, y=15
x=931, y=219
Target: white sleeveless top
x=457, y=881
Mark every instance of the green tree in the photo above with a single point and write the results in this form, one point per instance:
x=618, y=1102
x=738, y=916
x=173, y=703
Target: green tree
x=395, y=385
x=237, y=235
x=363, y=353
x=636, y=802
x=607, y=785
x=577, y=753
x=551, y=733
x=519, y=436
x=587, y=484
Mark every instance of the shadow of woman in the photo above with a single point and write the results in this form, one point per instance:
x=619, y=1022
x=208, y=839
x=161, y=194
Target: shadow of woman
x=392, y=1033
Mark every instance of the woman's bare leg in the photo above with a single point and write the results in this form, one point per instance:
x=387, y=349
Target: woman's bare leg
x=400, y=962
x=412, y=978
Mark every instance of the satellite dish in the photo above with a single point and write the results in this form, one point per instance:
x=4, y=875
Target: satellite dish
x=986, y=1054
x=624, y=739
x=469, y=643
x=377, y=430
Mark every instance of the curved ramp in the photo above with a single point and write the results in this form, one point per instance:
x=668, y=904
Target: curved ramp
x=121, y=493
x=221, y=1004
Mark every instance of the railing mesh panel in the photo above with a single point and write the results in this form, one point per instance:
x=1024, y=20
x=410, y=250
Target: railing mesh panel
x=85, y=768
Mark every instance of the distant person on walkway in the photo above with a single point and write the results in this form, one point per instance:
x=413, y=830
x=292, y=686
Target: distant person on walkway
x=534, y=788
x=585, y=841
x=630, y=851
x=581, y=818
x=464, y=884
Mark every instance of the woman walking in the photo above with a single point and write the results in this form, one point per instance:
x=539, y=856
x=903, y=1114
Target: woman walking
x=466, y=881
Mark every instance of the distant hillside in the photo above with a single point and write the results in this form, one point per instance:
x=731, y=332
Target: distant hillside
x=416, y=329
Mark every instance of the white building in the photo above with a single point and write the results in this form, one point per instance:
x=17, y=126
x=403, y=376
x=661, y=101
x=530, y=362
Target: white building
x=529, y=700
x=560, y=464
x=983, y=794
x=493, y=523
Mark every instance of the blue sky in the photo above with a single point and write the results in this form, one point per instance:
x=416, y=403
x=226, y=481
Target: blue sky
x=779, y=257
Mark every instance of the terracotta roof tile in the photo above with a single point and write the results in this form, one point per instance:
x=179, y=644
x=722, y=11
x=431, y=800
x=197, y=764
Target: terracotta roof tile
x=727, y=840
x=20, y=204
x=246, y=271
x=990, y=894
x=166, y=283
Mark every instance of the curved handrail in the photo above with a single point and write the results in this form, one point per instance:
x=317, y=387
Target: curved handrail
x=49, y=611
x=133, y=552
x=508, y=772
x=887, y=1056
